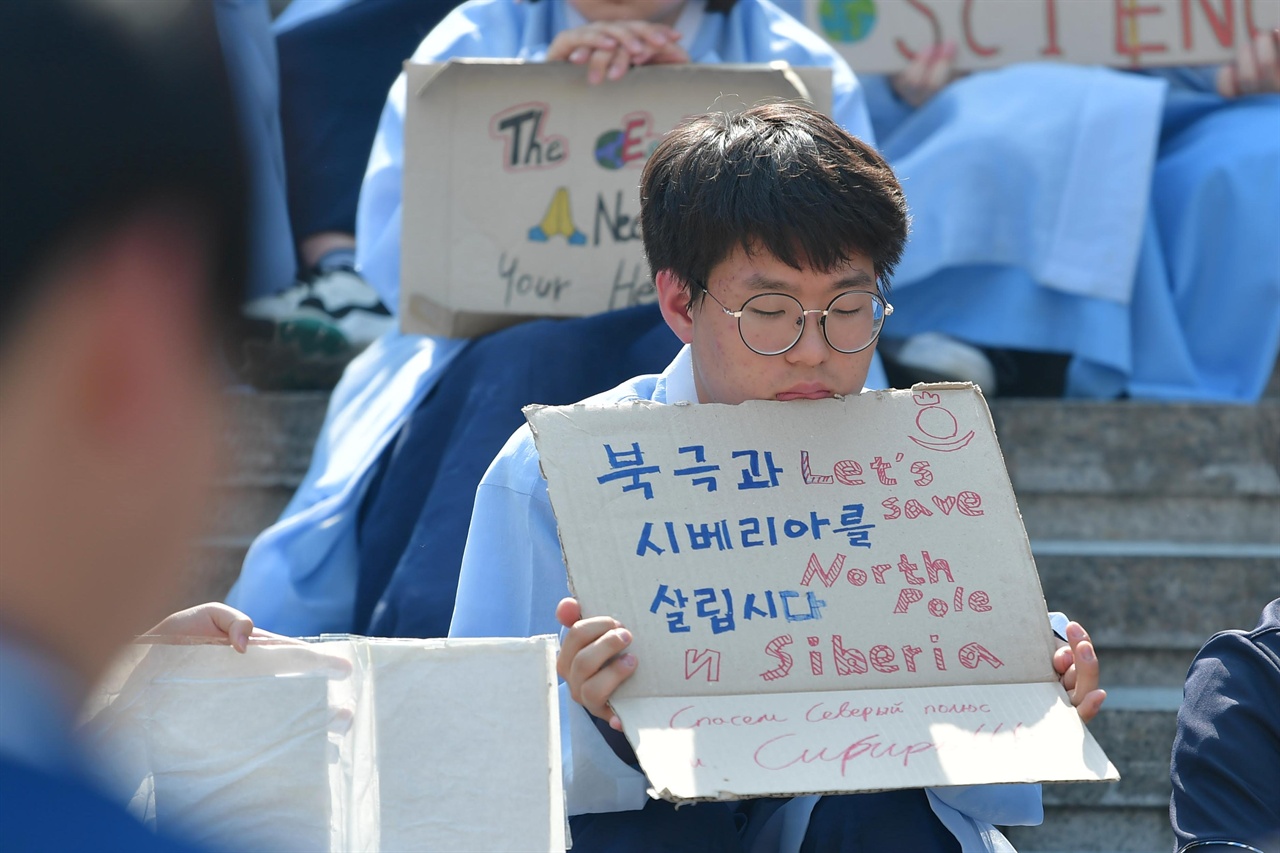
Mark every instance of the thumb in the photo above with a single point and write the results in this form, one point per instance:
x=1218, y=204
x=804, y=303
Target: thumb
x=568, y=612
x=235, y=625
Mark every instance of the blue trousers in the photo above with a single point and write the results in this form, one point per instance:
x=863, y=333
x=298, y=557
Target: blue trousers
x=855, y=823
x=335, y=71
x=413, y=522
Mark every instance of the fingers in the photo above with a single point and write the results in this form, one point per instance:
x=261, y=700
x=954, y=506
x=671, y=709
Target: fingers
x=1091, y=704
x=939, y=71
x=672, y=54
x=1266, y=48
x=1226, y=82
x=610, y=48
x=594, y=660
x=238, y=633
x=568, y=612
x=1077, y=666
x=576, y=45
x=1246, y=68
x=602, y=62
x=926, y=75
x=1256, y=68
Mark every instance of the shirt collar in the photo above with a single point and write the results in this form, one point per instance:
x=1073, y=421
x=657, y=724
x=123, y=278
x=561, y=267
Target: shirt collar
x=676, y=383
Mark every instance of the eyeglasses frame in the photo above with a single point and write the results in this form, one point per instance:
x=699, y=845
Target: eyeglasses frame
x=804, y=318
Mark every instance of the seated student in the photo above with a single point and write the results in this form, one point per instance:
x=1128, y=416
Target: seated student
x=381, y=516
x=123, y=210
x=813, y=214
x=1226, y=754
x=1125, y=222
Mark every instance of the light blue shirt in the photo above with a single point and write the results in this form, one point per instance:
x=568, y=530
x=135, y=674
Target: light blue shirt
x=507, y=591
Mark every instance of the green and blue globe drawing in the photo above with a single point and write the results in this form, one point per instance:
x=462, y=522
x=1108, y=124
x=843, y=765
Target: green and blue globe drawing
x=847, y=20
x=609, y=149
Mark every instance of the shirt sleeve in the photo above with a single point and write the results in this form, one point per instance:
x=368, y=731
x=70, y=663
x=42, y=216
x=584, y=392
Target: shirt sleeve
x=512, y=578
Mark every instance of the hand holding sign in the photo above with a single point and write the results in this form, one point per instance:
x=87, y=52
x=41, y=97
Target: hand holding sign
x=1076, y=663
x=927, y=74
x=610, y=48
x=1256, y=68
x=592, y=660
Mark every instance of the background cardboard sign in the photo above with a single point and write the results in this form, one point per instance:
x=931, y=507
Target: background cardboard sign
x=829, y=596
x=884, y=35
x=339, y=744
x=521, y=182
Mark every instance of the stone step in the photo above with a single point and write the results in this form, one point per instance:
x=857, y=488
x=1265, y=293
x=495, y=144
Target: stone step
x=1150, y=605
x=1082, y=470
x=212, y=568
x=1119, y=518
x=240, y=510
x=1136, y=729
x=1078, y=447
x=1051, y=446
x=268, y=437
x=1129, y=830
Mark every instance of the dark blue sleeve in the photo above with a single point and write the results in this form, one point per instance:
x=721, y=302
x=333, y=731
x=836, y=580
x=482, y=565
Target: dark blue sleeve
x=1226, y=755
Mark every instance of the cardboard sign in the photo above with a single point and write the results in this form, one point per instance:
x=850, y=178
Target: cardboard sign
x=340, y=744
x=885, y=35
x=521, y=182
x=825, y=597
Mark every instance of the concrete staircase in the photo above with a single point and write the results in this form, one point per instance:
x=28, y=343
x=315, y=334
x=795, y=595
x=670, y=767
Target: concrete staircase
x=1153, y=525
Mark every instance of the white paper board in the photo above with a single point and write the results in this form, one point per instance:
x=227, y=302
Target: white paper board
x=338, y=744
x=775, y=561
x=884, y=35
x=521, y=182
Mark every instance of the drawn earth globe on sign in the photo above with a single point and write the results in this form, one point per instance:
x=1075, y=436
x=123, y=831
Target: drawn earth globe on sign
x=609, y=149
x=847, y=20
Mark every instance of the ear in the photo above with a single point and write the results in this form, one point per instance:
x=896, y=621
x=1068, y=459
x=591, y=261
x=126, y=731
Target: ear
x=673, y=300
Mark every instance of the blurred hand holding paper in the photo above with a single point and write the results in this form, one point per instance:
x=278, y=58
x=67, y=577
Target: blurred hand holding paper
x=825, y=597
x=341, y=743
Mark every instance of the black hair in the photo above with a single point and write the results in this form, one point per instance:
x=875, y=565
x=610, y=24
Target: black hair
x=778, y=177
x=109, y=105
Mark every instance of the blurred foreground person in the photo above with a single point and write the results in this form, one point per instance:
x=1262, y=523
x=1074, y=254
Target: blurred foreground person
x=122, y=255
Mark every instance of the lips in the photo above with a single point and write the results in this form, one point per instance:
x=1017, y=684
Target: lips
x=807, y=391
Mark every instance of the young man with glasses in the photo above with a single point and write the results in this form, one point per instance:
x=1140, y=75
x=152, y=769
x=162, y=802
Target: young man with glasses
x=772, y=235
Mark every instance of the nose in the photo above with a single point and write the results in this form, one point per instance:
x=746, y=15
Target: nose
x=812, y=349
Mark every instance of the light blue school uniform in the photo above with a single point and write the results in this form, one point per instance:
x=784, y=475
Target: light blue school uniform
x=513, y=575
x=1128, y=220
x=300, y=575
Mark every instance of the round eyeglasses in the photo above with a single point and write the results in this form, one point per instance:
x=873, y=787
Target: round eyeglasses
x=772, y=323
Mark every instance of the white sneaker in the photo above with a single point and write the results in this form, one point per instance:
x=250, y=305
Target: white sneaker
x=934, y=357
x=302, y=339
x=339, y=298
